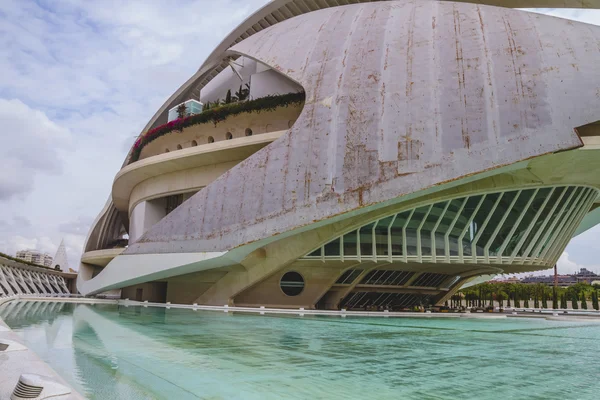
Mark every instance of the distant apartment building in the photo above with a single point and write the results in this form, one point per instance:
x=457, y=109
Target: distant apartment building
x=583, y=276
x=35, y=257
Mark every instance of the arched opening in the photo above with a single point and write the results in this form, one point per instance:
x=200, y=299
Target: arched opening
x=194, y=143
x=166, y=150
x=249, y=132
x=228, y=136
x=179, y=147
x=291, y=283
x=211, y=139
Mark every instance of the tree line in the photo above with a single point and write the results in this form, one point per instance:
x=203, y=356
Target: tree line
x=519, y=295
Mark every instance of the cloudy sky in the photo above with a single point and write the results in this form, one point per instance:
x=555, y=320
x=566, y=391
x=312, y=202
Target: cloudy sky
x=79, y=80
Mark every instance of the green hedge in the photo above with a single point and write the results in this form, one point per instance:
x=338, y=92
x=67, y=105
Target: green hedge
x=216, y=115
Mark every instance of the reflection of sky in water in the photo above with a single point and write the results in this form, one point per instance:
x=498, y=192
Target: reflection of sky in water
x=112, y=352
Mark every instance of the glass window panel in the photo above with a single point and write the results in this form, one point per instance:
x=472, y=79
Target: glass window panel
x=526, y=220
x=559, y=214
x=543, y=220
x=511, y=220
x=353, y=276
x=366, y=240
x=344, y=276
x=411, y=230
x=430, y=222
x=539, y=246
x=478, y=223
x=396, y=232
x=381, y=239
x=495, y=220
x=316, y=253
x=333, y=248
x=350, y=244
x=449, y=216
x=461, y=223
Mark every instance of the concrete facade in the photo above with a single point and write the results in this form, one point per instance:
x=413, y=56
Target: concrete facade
x=439, y=143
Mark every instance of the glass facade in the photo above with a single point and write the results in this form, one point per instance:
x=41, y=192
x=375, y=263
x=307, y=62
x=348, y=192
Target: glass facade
x=192, y=107
x=527, y=226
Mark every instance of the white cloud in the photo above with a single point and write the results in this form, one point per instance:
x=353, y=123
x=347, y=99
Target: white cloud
x=31, y=147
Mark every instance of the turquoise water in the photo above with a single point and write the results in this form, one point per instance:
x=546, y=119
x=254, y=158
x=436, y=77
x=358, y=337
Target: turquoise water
x=117, y=352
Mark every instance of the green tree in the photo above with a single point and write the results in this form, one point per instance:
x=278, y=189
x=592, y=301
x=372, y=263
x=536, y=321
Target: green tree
x=228, y=97
x=583, y=301
x=517, y=302
x=181, y=111
x=563, y=301
x=243, y=94
x=500, y=296
x=574, y=301
x=544, y=299
x=554, y=298
x=595, y=299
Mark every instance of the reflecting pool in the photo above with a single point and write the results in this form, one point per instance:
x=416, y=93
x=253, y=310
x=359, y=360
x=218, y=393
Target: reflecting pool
x=118, y=352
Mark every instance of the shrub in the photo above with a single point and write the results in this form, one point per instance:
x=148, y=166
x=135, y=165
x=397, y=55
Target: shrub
x=574, y=301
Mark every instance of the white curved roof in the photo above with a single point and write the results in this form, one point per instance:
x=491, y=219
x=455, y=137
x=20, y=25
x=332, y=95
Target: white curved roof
x=280, y=10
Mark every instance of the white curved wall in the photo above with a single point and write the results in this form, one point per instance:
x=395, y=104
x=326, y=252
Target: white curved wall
x=144, y=215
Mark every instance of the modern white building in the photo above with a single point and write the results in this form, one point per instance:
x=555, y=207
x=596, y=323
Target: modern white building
x=380, y=154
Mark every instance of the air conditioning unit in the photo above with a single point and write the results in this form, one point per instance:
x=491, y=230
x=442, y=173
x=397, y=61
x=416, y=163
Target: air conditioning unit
x=38, y=387
x=9, y=345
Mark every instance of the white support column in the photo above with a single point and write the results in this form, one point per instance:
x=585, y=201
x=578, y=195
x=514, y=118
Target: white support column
x=374, y=238
x=527, y=257
x=390, y=238
x=582, y=209
x=447, y=235
x=21, y=280
x=4, y=281
x=437, y=224
x=34, y=282
x=419, y=250
x=486, y=250
x=40, y=283
x=53, y=283
x=13, y=281
x=404, y=239
x=566, y=212
x=515, y=226
x=461, y=258
x=530, y=227
x=45, y=277
x=483, y=226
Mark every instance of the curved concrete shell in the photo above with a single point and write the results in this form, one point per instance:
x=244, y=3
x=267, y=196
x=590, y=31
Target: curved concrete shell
x=408, y=104
x=399, y=100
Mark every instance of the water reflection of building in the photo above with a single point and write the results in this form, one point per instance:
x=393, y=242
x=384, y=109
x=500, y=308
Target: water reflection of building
x=404, y=173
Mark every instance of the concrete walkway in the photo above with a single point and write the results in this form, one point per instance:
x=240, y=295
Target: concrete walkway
x=23, y=360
